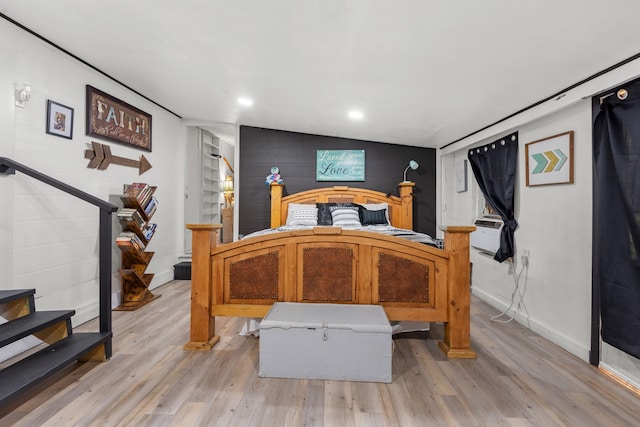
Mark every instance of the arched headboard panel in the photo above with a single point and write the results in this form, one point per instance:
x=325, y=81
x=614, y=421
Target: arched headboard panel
x=400, y=208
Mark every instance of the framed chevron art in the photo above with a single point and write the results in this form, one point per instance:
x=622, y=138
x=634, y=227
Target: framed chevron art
x=550, y=160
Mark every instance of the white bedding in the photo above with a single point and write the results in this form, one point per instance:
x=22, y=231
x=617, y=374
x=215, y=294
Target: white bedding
x=383, y=229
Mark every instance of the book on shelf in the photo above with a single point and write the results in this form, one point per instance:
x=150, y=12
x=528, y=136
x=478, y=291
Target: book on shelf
x=128, y=243
x=148, y=231
x=138, y=192
x=131, y=215
x=128, y=236
x=135, y=190
x=125, y=212
x=151, y=207
x=137, y=218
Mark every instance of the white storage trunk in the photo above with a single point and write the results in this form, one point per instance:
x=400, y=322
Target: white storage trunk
x=326, y=341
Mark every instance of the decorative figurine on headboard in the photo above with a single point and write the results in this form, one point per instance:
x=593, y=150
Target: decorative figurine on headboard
x=274, y=177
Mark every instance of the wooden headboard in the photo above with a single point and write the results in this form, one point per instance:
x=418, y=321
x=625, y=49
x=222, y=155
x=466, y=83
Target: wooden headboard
x=400, y=208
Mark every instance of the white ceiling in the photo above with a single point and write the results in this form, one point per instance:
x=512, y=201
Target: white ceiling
x=424, y=72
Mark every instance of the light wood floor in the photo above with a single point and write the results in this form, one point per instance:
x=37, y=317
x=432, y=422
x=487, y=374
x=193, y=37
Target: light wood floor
x=519, y=379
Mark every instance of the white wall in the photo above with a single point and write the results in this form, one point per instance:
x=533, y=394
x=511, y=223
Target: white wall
x=555, y=225
x=7, y=108
x=49, y=238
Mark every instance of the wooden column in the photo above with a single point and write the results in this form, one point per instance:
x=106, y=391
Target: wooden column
x=457, y=331
x=406, y=194
x=203, y=328
x=276, y=204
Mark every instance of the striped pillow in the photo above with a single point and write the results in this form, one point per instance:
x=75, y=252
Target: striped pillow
x=342, y=217
x=303, y=216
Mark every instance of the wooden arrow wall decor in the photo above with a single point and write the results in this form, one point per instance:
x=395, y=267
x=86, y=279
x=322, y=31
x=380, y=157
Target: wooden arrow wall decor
x=100, y=157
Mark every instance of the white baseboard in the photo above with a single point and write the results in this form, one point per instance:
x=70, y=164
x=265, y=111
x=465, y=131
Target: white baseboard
x=161, y=279
x=634, y=382
x=85, y=313
x=115, y=299
x=553, y=335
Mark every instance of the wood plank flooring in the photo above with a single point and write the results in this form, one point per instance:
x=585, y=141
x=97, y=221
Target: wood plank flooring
x=519, y=379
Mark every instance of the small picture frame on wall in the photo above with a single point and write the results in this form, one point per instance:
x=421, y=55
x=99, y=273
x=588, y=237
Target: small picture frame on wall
x=550, y=160
x=59, y=120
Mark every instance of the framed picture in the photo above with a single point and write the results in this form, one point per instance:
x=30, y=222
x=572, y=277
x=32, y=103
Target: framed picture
x=114, y=120
x=550, y=160
x=59, y=120
x=340, y=165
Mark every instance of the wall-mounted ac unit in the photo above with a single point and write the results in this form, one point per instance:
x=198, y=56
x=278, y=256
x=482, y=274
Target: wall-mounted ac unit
x=487, y=235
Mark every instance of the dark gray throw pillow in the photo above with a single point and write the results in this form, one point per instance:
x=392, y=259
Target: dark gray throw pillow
x=368, y=217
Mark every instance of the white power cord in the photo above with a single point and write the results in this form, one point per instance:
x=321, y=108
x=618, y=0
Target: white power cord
x=519, y=301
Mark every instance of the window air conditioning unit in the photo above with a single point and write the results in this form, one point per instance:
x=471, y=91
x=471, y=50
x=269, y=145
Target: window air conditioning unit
x=487, y=235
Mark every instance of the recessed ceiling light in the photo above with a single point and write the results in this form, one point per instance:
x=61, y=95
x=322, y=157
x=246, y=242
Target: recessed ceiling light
x=245, y=101
x=355, y=114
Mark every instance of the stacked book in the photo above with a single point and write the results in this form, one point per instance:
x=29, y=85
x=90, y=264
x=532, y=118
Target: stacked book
x=137, y=192
x=128, y=238
x=131, y=215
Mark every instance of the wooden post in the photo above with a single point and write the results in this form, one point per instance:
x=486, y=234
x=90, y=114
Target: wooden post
x=406, y=194
x=457, y=330
x=276, y=204
x=203, y=328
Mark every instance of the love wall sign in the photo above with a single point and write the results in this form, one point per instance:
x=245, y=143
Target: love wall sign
x=115, y=120
x=340, y=165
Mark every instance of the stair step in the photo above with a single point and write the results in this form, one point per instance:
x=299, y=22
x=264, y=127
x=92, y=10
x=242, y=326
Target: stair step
x=15, y=294
x=21, y=327
x=30, y=371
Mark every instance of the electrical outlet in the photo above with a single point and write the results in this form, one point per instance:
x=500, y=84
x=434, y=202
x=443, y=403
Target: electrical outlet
x=525, y=258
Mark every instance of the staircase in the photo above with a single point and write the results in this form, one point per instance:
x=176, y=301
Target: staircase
x=63, y=347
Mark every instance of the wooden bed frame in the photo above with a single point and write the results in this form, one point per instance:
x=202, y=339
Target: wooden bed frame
x=412, y=281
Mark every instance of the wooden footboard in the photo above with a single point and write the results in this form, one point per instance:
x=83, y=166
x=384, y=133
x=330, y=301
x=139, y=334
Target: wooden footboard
x=412, y=281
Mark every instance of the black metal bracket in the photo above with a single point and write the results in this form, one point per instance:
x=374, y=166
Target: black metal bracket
x=6, y=170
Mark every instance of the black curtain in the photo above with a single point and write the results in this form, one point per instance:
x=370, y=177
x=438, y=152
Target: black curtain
x=494, y=167
x=616, y=144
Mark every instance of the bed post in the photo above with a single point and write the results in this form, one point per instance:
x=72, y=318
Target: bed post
x=203, y=328
x=276, y=204
x=457, y=330
x=406, y=195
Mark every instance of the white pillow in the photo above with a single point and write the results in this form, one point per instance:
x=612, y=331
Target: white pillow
x=301, y=214
x=345, y=217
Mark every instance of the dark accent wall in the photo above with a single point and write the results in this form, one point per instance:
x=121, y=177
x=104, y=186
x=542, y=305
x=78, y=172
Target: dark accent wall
x=295, y=154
